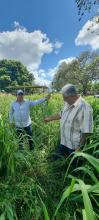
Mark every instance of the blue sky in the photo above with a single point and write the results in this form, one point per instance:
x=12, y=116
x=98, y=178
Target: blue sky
x=42, y=33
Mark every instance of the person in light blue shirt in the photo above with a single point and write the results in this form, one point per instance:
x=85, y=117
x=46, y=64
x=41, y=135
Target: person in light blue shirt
x=19, y=116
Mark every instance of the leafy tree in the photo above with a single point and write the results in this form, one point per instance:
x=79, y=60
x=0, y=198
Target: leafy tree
x=85, y=5
x=82, y=72
x=14, y=73
x=4, y=81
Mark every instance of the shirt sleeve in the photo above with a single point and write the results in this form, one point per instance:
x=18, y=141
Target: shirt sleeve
x=87, y=120
x=11, y=118
x=36, y=102
x=62, y=110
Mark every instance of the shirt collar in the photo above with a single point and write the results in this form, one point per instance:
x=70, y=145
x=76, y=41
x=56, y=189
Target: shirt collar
x=77, y=101
x=20, y=102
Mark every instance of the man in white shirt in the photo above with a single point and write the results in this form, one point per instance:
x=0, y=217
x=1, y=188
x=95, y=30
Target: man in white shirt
x=19, y=116
x=76, y=121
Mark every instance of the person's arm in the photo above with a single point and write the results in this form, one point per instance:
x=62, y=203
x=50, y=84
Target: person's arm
x=83, y=139
x=52, y=118
x=39, y=101
x=86, y=126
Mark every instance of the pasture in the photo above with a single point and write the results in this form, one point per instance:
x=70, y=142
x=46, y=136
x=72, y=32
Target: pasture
x=32, y=187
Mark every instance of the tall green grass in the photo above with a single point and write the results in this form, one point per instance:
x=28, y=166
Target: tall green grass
x=35, y=188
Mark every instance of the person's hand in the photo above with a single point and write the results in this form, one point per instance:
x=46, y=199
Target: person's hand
x=78, y=148
x=48, y=96
x=47, y=119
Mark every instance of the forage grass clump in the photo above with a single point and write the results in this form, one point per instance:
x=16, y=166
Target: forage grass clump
x=34, y=187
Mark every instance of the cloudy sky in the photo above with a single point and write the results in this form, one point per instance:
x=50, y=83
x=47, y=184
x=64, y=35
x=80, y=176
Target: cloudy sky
x=43, y=33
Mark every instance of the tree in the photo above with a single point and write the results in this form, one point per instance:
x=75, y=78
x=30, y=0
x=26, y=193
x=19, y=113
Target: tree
x=4, y=81
x=14, y=73
x=87, y=69
x=81, y=72
x=85, y=5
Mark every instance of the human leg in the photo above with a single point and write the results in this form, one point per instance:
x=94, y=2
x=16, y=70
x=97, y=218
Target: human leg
x=19, y=132
x=29, y=135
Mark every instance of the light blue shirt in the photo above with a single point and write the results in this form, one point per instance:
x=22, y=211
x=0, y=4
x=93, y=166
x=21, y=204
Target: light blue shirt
x=20, y=112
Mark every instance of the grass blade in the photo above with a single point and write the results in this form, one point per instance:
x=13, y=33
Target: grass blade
x=87, y=171
x=87, y=203
x=2, y=217
x=84, y=214
x=65, y=195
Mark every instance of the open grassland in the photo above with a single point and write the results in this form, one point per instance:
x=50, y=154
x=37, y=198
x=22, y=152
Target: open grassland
x=32, y=187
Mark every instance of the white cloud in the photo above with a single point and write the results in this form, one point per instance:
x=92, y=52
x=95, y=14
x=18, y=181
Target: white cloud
x=41, y=78
x=26, y=47
x=67, y=60
x=18, y=26
x=29, y=48
x=44, y=77
x=89, y=34
x=58, y=44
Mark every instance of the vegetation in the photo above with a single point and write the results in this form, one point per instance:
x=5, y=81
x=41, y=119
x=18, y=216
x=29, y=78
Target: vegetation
x=34, y=187
x=85, y=5
x=13, y=73
x=83, y=72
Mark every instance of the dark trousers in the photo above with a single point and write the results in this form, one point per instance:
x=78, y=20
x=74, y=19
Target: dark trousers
x=20, y=134
x=64, y=151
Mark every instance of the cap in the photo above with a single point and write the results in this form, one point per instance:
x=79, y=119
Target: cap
x=19, y=92
x=69, y=90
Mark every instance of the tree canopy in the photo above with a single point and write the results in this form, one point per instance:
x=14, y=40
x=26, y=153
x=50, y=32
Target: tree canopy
x=83, y=71
x=13, y=73
x=85, y=5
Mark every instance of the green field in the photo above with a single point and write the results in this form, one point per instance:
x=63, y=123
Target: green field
x=32, y=187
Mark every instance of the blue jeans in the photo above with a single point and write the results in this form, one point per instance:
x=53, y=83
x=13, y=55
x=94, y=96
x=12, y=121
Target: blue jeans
x=28, y=131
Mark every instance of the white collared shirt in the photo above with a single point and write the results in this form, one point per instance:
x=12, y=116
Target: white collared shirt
x=75, y=120
x=20, y=112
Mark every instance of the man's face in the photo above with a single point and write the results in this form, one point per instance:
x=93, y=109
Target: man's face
x=20, y=97
x=70, y=99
